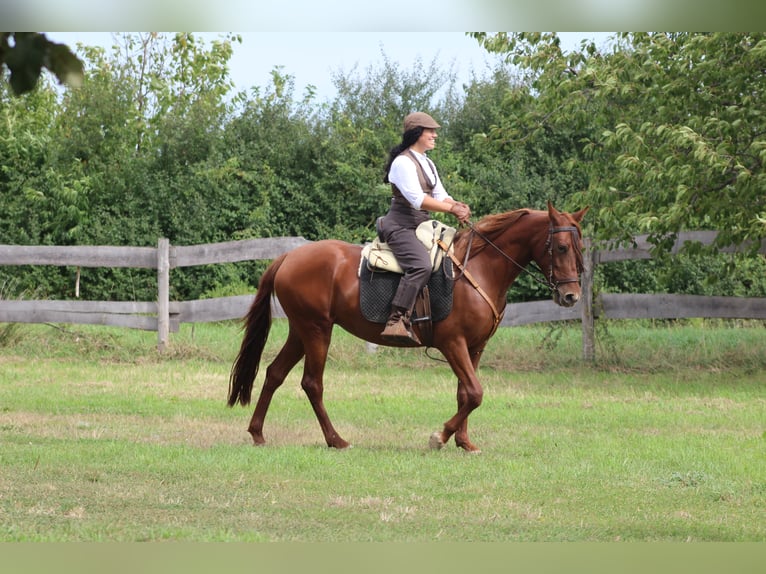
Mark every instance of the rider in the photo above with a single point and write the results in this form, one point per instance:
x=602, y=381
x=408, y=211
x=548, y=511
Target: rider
x=417, y=190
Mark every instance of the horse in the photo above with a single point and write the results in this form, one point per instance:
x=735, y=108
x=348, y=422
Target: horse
x=317, y=285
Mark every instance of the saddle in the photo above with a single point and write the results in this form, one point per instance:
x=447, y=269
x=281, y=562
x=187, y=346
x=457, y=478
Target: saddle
x=379, y=274
x=379, y=255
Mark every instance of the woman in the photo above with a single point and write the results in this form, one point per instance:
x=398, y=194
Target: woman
x=417, y=190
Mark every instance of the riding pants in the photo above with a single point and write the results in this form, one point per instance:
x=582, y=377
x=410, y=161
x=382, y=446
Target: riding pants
x=414, y=260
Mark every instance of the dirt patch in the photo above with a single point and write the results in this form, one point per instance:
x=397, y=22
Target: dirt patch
x=173, y=430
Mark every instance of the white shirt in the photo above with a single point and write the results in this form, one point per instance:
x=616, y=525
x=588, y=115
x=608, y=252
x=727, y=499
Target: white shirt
x=404, y=175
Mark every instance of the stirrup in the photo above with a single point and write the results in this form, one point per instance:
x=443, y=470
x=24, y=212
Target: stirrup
x=399, y=332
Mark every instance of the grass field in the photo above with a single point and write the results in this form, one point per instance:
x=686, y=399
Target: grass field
x=663, y=439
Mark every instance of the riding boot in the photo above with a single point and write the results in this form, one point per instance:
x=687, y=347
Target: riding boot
x=398, y=328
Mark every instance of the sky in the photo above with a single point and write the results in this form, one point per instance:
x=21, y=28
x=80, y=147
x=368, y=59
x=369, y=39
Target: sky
x=313, y=58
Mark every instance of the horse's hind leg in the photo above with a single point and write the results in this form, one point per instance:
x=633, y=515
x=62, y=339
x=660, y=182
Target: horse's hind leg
x=316, y=348
x=291, y=352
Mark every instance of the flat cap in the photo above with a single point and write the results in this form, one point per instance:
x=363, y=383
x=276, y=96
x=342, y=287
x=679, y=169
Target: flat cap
x=419, y=119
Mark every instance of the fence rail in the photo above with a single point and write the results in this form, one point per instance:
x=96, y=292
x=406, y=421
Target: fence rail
x=165, y=316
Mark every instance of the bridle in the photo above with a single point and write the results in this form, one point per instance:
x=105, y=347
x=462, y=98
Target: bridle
x=575, y=232
x=549, y=280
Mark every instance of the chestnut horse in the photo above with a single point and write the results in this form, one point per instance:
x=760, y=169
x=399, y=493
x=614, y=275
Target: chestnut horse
x=318, y=287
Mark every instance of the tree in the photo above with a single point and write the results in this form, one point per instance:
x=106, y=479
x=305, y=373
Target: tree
x=670, y=127
x=364, y=122
x=25, y=54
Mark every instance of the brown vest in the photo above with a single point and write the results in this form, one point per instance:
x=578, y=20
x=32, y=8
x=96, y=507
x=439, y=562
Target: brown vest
x=401, y=213
x=425, y=185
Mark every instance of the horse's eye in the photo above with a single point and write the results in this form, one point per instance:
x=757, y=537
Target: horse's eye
x=561, y=248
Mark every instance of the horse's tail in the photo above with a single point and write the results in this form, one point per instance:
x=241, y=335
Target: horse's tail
x=257, y=324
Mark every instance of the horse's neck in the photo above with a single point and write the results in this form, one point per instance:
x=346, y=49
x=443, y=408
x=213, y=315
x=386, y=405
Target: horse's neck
x=500, y=266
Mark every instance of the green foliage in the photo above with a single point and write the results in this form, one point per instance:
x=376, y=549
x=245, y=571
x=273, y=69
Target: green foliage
x=229, y=289
x=669, y=124
x=156, y=144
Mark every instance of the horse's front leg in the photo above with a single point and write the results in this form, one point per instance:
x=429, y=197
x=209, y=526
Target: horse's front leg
x=438, y=439
x=461, y=434
x=469, y=397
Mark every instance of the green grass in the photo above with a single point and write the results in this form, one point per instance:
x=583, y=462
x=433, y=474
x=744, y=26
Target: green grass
x=663, y=439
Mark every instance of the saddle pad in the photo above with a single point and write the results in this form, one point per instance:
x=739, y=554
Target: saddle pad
x=377, y=288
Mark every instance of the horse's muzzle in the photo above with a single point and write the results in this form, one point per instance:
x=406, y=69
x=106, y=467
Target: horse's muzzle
x=565, y=299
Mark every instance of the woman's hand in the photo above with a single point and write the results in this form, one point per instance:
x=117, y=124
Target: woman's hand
x=461, y=211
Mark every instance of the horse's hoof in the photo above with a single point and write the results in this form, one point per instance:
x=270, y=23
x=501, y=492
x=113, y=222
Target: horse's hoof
x=468, y=447
x=258, y=439
x=435, y=442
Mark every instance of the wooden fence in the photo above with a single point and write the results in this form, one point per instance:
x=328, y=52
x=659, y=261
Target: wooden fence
x=161, y=315
x=165, y=316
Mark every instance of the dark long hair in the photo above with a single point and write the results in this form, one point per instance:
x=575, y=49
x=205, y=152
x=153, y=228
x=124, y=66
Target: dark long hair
x=408, y=138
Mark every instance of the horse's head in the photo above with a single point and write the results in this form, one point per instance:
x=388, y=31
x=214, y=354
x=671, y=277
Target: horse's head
x=552, y=240
x=562, y=261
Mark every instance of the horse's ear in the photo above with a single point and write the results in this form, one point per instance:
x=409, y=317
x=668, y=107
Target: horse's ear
x=580, y=214
x=552, y=211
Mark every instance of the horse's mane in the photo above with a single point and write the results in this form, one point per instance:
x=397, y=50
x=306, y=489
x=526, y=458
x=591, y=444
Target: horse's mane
x=490, y=227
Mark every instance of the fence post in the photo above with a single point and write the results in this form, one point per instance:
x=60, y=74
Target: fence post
x=586, y=303
x=163, y=293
